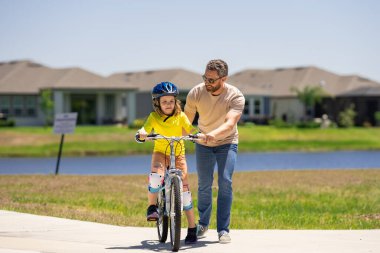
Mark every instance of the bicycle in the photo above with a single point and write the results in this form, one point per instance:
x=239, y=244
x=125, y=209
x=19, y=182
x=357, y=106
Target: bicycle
x=169, y=200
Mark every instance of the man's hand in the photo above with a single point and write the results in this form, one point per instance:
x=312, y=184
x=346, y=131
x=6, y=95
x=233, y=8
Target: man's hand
x=209, y=138
x=201, y=138
x=205, y=138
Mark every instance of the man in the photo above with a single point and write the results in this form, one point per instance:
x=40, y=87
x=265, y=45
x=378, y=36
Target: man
x=219, y=106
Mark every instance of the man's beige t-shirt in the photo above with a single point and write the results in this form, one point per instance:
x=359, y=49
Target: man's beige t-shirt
x=212, y=110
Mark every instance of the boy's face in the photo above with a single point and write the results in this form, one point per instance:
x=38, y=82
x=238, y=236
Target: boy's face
x=167, y=104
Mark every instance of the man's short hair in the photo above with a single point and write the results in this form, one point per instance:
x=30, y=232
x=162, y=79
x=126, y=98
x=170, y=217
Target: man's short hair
x=219, y=66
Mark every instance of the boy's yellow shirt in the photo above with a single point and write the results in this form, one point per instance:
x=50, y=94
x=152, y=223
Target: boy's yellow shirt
x=172, y=126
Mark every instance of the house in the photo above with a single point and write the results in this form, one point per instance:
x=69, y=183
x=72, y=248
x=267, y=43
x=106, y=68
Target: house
x=145, y=81
x=97, y=99
x=269, y=95
x=366, y=100
x=123, y=97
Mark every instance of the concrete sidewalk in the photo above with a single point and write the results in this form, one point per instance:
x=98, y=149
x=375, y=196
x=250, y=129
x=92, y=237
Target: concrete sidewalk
x=26, y=233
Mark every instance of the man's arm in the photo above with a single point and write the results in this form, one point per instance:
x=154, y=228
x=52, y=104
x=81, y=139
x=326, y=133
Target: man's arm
x=190, y=108
x=230, y=121
x=190, y=115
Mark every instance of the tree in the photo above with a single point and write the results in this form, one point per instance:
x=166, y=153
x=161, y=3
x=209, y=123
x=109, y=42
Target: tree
x=309, y=96
x=47, y=106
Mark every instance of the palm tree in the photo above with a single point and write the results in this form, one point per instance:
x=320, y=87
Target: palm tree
x=309, y=96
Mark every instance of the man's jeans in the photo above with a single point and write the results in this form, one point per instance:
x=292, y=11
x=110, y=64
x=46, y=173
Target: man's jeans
x=225, y=158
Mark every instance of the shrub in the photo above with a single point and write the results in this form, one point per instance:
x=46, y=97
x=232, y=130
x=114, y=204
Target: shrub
x=377, y=117
x=249, y=124
x=367, y=124
x=308, y=124
x=346, y=118
x=7, y=123
x=137, y=123
x=279, y=123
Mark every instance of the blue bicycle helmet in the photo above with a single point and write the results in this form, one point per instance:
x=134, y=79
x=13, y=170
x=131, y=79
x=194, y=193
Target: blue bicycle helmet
x=164, y=89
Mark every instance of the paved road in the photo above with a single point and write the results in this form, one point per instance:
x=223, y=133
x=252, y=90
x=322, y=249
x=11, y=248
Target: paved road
x=26, y=233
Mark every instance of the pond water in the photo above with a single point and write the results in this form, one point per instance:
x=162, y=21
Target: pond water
x=140, y=164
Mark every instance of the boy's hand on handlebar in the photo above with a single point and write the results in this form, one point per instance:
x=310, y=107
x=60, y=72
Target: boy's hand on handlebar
x=141, y=135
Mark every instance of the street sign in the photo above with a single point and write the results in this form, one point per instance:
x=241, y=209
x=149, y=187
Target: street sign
x=64, y=123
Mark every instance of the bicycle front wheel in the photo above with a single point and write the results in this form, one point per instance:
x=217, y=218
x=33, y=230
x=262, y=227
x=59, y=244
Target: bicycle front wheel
x=162, y=222
x=175, y=214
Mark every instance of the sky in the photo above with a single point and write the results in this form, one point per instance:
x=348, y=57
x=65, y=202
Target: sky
x=113, y=36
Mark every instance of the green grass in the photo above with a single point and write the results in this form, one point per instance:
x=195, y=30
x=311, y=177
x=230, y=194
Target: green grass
x=347, y=199
x=112, y=140
x=326, y=199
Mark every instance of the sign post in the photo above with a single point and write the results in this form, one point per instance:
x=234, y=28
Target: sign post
x=64, y=123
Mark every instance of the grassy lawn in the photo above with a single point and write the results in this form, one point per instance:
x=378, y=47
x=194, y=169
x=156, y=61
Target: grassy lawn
x=348, y=199
x=112, y=140
x=340, y=199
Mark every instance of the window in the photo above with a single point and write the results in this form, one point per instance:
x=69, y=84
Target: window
x=30, y=105
x=257, y=107
x=124, y=101
x=246, y=108
x=5, y=104
x=18, y=105
x=110, y=106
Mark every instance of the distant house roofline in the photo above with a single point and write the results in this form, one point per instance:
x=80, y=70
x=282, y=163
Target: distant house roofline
x=28, y=77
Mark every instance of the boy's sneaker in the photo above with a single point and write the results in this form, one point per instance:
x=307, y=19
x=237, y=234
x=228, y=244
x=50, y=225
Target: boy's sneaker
x=151, y=213
x=191, y=237
x=224, y=237
x=201, y=231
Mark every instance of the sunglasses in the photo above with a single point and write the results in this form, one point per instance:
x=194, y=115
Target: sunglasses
x=210, y=80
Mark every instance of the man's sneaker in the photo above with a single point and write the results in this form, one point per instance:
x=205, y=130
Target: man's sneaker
x=151, y=213
x=191, y=237
x=201, y=231
x=224, y=237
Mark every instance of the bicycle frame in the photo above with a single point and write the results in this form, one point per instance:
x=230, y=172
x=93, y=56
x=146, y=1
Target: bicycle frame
x=170, y=196
x=171, y=172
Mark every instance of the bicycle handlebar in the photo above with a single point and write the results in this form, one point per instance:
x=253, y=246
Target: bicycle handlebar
x=152, y=137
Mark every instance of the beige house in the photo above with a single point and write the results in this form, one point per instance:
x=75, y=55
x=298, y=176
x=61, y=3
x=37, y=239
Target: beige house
x=123, y=97
x=268, y=93
x=96, y=99
x=145, y=81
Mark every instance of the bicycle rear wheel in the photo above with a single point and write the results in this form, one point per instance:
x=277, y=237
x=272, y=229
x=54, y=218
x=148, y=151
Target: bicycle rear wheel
x=175, y=214
x=162, y=222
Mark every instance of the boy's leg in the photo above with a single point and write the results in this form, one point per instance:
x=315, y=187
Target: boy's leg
x=191, y=236
x=157, y=169
x=182, y=165
x=157, y=166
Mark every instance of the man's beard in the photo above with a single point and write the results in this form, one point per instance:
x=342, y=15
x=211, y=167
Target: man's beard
x=212, y=89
